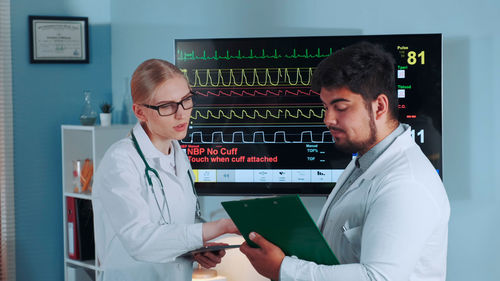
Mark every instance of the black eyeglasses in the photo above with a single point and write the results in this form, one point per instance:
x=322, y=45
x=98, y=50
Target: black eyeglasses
x=171, y=108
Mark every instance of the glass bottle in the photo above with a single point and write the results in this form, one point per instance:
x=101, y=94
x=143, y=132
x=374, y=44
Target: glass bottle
x=88, y=115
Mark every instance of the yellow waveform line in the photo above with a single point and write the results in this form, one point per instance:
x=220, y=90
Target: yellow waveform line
x=255, y=80
x=276, y=114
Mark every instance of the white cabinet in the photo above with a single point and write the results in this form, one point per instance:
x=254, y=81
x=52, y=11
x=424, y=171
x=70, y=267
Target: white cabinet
x=80, y=143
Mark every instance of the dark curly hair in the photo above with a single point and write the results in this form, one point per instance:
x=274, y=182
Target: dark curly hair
x=364, y=68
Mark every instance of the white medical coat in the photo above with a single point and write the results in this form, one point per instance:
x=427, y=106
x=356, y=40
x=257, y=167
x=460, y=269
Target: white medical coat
x=391, y=224
x=130, y=242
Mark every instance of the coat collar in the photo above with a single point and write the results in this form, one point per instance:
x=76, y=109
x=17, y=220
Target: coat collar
x=153, y=155
x=147, y=147
x=402, y=142
x=339, y=182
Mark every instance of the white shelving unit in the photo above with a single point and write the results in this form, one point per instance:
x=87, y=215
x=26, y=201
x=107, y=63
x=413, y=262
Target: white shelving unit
x=79, y=143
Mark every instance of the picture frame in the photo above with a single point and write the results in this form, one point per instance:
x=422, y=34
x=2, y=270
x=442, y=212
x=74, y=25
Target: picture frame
x=55, y=39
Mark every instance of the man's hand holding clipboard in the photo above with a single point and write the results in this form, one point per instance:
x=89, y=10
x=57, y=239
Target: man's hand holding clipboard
x=266, y=249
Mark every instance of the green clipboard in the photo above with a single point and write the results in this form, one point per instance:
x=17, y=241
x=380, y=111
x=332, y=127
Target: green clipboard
x=285, y=222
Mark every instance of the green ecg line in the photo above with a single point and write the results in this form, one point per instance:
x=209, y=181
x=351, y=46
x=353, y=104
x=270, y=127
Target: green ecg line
x=188, y=56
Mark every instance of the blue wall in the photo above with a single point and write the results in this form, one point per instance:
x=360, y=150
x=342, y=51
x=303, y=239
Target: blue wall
x=46, y=96
x=471, y=71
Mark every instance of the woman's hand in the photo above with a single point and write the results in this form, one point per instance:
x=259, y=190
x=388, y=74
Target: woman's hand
x=210, y=259
x=229, y=226
x=216, y=228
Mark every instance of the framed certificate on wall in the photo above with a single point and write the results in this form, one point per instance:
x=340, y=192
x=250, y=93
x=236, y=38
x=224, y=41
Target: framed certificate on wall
x=59, y=39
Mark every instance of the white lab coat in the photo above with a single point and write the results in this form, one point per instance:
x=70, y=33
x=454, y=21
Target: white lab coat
x=130, y=242
x=391, y=224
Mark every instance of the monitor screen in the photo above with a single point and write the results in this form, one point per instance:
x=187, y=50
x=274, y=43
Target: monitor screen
x=257, y=127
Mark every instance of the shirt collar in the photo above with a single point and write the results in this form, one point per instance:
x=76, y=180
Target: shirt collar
x=364, y=161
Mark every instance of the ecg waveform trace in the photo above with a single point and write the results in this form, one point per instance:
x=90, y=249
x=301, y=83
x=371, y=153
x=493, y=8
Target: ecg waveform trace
x=191, y=56
x=228, y=77
x=257, y=137
x=257, y=92
x=276, y=113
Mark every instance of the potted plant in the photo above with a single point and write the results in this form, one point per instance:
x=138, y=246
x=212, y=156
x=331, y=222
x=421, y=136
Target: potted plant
x=105, y=116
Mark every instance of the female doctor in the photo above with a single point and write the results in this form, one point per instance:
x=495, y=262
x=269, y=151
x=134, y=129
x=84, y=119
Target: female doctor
x=143, y=193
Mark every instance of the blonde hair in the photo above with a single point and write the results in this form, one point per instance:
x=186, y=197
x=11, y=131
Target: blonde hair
x=148, y=76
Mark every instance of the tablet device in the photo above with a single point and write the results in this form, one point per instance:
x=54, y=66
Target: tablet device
x=285, y=222
x=209, y=249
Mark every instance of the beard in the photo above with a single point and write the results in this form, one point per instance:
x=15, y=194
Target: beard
x=350, y=146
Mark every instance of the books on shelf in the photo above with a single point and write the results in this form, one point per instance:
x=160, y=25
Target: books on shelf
x=80, y=227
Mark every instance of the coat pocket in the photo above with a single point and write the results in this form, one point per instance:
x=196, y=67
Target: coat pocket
x=353, y=236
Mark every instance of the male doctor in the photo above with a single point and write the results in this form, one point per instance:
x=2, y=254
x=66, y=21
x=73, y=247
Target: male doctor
x=387, y=217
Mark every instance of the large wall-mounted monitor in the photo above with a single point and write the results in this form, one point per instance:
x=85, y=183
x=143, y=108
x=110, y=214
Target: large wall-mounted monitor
x=257, y=127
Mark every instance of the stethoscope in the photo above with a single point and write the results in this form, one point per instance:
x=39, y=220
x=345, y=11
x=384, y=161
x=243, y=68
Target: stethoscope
x=149, y=170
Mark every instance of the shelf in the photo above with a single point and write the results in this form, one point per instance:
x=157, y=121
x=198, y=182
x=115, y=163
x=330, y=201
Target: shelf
x=92, y=128
x=79, y=143
x=87, y=196
x=78, y=127
x=90, y=264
